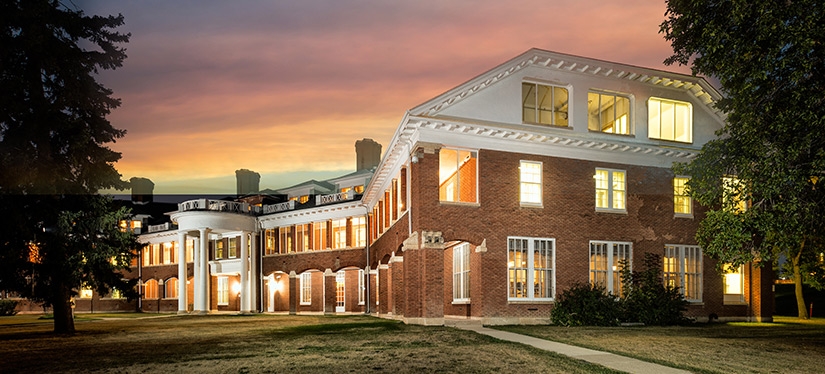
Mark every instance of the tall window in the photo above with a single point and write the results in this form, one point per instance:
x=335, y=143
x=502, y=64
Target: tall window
x=361, y=288
x=461, y=273
x=219, y=249
x=340, y=289
x=531, y=267
x=734, y=284
x=457, y=181
x=190, y=250
x=306, y=288
x=285, y=242
x=302, y=242
x=155, y=254
x=150, y=289
x=530, y=188
x=670, y=120
x=269, y=245
x=605, y=264
x=682, y=203
x=610, y=190
x=223, y=290
x=171, y=288
x=544, y=104
x=359, y=231
x=234, y=243
x=168, y=253
x=607, y=112
x=319, y=235
x=339, y=233
x=683, y=269
x=147, y=255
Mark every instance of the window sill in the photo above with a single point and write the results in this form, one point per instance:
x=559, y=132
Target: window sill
x=552, y=126
x=734, y=303
x=531, y=205
x=612, y=211
x=680, y=215
x=305, y=304
x=612, y=134
x=530, y=301
x=461, y=302
x=459, y=203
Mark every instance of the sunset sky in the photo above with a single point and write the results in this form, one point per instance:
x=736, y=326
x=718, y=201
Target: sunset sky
x=285, y=88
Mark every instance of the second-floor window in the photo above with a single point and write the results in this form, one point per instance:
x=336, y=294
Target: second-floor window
x=530, y=183
x=457, y=175
x=610, y=190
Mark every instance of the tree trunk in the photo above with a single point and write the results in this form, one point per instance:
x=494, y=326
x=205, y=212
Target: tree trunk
x=62, y=305
x=797, y=279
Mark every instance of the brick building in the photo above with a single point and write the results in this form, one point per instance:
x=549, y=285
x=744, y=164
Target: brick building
x=489, y=200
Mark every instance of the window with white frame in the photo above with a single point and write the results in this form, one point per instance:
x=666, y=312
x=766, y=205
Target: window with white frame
x=170, y=288
x=531, y=268
x=306, y=288
x=457, y=175
x=359, y=231
x=683, y=269
x=339, y=233
x=606, y=260
x=530, y=183
x=544, y=104
x=223, y=290
x=234, y=243
x=670, y=120
x=734, y=284
x=610, y=190
x=608, y=112
x=361, y=288
x=461, y=273
x=150, y=289
x=682, y=202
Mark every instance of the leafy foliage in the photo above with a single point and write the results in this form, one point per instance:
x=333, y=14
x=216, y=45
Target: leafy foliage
x=645, y=299
x=585, y=304
x=8, y=307
x=56, y=233
x=769, y=57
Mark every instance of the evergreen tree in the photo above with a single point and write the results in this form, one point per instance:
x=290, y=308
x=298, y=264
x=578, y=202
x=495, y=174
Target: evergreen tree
x=762, y=179
x=56, y=233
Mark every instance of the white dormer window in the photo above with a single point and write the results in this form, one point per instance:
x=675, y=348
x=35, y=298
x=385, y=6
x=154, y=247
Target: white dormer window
x=608, y=112
x=544, y=104
x=670, y=120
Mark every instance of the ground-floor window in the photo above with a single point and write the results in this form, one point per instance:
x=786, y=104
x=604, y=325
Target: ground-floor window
x=361, y=288
x=683, y=269
x=85, y=292
x=223, y=290
x=461, y=273
x=606, y=260
x=306, y=288
x=171, y=288
x=734, y=284
x=150, y=289
x=531, y=265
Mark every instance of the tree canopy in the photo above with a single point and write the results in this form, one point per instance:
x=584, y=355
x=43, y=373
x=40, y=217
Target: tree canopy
x=762, y=178
x=56, y=233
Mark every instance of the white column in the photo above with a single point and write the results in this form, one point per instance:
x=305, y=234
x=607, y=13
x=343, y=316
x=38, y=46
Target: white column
x=182, y=302
x=202, y=284
x=244, y=272
x=253, y=273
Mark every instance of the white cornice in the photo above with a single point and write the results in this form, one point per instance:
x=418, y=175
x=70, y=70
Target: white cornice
x=312, y=214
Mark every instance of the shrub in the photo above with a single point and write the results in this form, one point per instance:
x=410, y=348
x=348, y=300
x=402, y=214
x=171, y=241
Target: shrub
x=647, y=299
x=8, y=307
x=585, y=305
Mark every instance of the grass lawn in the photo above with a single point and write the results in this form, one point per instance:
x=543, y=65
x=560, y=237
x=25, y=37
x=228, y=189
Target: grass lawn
x=262, y=343
x=789, y=345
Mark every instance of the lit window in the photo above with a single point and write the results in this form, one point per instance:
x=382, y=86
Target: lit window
x=171, y=288
x=147, y=255
x=269, y=245
x=168, y=253
x=531, y=267
x=302, y=241
x=150, y=289
x=303, y=199
x=530, y=188
x=339, y=233
x=359, y=189
x=285, y=242
x=361, y=288
x=734, y=284
x=670, y=120
x=223, y=290
x=190, y=250
x=733, y=196
x=605, y=264
x=340, y=291
x=233, y=247
x=219, y=249
x=346, y=189
x=306, y=288
x=461, y=273
x=543, y=104
x=610, y=190
x=682, y=203
x=319, y=236
x=359, y=231
x=683, y=269
x=86, y=292
x=608, y=113
x=116, y=294
x=457, y=175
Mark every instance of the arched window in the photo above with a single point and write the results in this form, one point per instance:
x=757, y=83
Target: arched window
x=171, y=288
x=150, y=289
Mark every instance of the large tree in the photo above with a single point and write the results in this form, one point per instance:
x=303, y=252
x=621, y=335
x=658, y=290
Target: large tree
x=769, y=57
x=56, y=233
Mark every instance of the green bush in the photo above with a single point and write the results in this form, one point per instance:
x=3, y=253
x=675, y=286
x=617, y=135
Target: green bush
x=8, y=307
x=586, y=305
x=647, y=299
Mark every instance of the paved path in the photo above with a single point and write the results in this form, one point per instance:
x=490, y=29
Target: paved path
x=610, y=360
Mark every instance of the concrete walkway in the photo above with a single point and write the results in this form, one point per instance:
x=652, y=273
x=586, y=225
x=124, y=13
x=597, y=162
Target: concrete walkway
x=610, y=360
